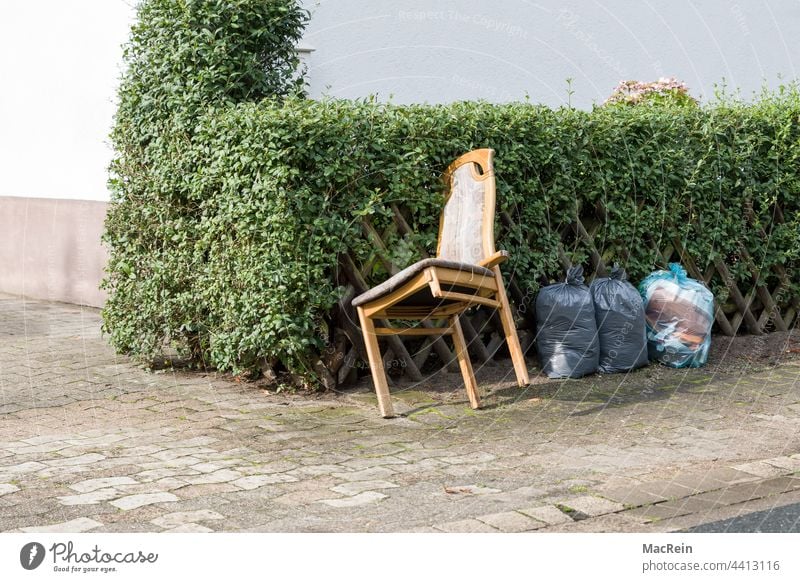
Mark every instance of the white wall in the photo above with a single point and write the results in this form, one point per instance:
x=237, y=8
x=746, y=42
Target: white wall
x=501, y=50
x=60, y=61
x=59, y=66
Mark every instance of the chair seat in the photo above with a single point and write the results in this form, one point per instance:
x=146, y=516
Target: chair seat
x=398, y=280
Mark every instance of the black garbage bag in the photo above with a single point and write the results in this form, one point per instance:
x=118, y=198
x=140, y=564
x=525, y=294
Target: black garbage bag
x=621, y=327
x=566, y=338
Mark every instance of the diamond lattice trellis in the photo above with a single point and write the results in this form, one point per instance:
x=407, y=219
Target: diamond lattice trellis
x=756, y=309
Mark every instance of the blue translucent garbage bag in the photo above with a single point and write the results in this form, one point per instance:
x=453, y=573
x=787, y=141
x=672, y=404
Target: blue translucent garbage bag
x=679, y=312
x=566, y=337
x=621, y=328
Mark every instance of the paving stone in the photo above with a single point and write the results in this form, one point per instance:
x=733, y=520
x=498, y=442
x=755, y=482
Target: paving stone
x=361, y=499
x=302, y=498
x=78, y=525
x=21, y=468
x=187, y=461
x=511, y=522
x=527, y=492
x=7, y=488
x=471, y=458
x=205, y=490
x=256, y=481
x=214, y=466
x=198, y=441
x=67, y=473
x=189, y=528
x=788, y=464
x=385, y=450
x=667, y=489
x=370, y=474
x=593, y=506
x=221, y=476
x=98, y=441
x=356, y=487
x=696, y=504
x=705, y=481
x=461, y=472
x=101, y=483
x=424, y=453
x=316, y=470
x=86, y=459
x=660, y=511
x=134, y=501
x=469, y=490
x=41, y=439
x=165, y=484
x=235, y=453
x=419, y=467
x=609, y=523
x=94, y=497
x=41, y=448
x=141, y=450
x=753, y=490
x=275, y=467
x=467, y=526
x=548, y=514
x=156, y=474
x=178, y=518
x=730, y=476
x=761, y=469
x=169, y=454
x=631, y=496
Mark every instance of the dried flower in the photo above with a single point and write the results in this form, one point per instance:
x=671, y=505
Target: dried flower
x=666, y=88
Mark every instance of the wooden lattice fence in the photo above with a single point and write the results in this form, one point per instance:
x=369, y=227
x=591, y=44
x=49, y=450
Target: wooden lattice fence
x=758, y=308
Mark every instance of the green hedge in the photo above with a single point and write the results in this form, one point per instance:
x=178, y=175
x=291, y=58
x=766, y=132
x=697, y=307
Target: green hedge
x=279, y=191
x=183, y=57
x=233, y=197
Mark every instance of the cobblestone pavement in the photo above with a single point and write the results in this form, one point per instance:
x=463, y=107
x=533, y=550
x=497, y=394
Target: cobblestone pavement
x=90, y=442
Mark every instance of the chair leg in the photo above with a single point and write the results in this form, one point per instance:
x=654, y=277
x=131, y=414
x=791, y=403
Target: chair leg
x=464, y=363
x=376, y=365
x=512, y=339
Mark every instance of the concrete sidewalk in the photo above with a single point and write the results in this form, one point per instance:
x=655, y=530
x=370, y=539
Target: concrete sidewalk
x=90, y=442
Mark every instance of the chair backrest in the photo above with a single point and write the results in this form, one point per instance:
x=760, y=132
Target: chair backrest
x=466, y=227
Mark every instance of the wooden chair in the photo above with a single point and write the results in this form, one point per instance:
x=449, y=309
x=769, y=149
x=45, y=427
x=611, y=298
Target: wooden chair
x=464, y=273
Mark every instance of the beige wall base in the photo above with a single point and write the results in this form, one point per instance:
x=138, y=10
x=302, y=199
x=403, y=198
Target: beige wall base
x=51, y=249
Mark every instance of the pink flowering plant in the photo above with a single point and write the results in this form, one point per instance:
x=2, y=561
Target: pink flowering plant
x=667, y=90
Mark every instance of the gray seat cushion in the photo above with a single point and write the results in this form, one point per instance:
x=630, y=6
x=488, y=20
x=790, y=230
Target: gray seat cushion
x=424, y=297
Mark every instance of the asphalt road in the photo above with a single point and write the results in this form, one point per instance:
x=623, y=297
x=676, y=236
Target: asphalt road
x=783, y=519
